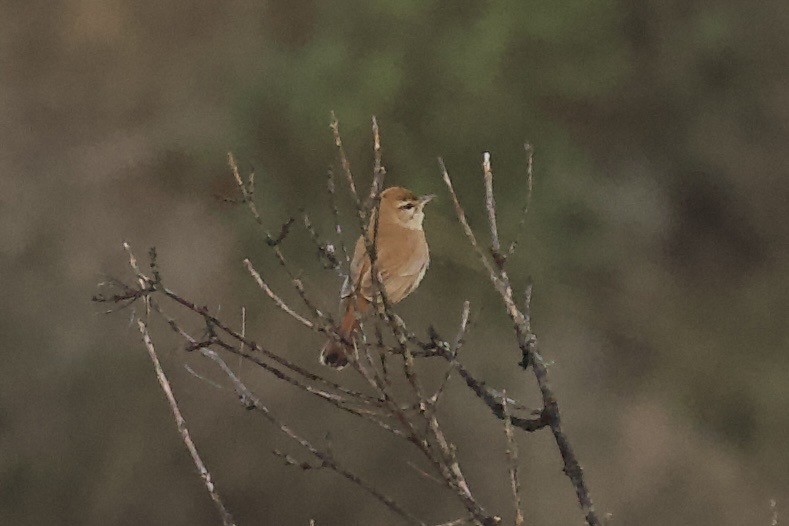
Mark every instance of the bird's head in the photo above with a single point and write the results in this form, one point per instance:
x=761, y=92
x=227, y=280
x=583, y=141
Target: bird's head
x=402, y=207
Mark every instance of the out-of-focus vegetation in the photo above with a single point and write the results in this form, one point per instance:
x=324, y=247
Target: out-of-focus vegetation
x=658, y=242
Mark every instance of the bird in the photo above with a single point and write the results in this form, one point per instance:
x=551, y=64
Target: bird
x=402, y=258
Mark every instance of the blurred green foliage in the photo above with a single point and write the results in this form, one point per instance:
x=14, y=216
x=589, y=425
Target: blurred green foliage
x=667, y=102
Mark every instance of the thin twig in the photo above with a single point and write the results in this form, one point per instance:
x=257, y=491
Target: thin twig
x=464, y=223
x=331, y=187
x=202, y=378
x=529, y=186
x=346, y=165
x=458, y=343
x=424, y=473
x=279, y=302
x=243, y=335
x=246, y=191
x=379, y=172
x=512, y=456
x=326, y=327
x=490, y=204
x=326, y=250
x=227, y=518
x=299, y=286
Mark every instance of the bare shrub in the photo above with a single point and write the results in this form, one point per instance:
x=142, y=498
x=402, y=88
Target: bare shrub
x=407, y=411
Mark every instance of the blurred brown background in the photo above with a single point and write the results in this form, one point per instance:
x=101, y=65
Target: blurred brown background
x=658, y=244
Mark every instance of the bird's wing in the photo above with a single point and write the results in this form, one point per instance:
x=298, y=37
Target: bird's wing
x=359, y=280
x=400, y=286
x=401, y=264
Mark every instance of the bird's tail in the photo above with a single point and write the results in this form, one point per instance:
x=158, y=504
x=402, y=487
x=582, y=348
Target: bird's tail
x=335, y=353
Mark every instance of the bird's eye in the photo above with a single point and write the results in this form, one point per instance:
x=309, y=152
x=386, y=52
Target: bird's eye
x=407, y=206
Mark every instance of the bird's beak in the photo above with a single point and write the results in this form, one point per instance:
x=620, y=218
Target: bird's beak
x=424, y=199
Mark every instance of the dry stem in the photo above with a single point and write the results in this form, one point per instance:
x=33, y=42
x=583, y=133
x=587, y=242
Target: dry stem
x=227, y=518
x=512, y=456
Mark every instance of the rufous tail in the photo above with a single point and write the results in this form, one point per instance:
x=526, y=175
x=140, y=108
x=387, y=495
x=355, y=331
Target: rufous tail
x=335, y=353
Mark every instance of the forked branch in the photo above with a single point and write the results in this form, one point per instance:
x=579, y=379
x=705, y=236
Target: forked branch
x=527, y=341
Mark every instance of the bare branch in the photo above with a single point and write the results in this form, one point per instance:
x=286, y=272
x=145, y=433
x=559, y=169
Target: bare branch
x=379, y=172
x=455, y=350
x=227, y=519
x=346, y=166
x=298, y=285
x=326, y=250
x=491, y=399
x=512, y=456
x=246, y=191
x=464, y=223
x=331, y=187
x=490, y=205
x=276, y=299
x=284, y=230
x=134, y=265
x=529, y=184
x=424, y=473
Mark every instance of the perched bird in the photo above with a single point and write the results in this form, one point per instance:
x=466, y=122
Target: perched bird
x=401, y=261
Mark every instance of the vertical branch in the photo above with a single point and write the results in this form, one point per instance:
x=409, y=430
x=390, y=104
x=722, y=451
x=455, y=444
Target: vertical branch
x=529, y=186
x=246, y=190
x=143, y=280
x=458, y=343
x=490, y=204
x=464, y=223
x=346, y=165
x=227, y=519
x=512, y=456
x=243, y=335
x=331, y=187
x=326, y=249
x=379, y=172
